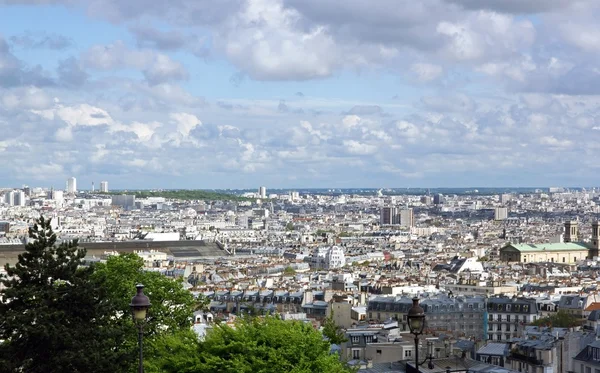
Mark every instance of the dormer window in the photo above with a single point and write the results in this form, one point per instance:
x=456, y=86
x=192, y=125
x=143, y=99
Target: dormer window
x=355, y=339
x=368, y=338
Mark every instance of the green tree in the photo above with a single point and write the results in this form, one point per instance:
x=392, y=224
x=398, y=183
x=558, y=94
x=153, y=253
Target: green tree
x=263, y=345
x=52, y=317
x=334, y=333
x=174, y=352
x=172, y=306
x=289, y=226
x=289, y=271
x=561, y=319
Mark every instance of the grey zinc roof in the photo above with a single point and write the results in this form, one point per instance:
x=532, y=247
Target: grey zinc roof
x=498, y=349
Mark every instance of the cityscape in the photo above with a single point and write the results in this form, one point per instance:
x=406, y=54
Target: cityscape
x=299, y=186
x=485, y=267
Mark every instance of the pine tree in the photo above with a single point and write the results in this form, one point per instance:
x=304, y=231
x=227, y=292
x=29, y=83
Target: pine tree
x=52, y=317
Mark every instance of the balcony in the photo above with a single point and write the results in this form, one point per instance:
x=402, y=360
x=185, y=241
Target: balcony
x=525, y=358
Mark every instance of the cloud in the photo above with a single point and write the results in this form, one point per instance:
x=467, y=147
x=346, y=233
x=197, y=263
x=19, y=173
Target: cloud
x=361, y=110
x=32, y=40
x=156, y=67
x=150, y=37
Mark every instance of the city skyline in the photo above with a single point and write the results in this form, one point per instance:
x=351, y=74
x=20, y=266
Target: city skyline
x=287, y=93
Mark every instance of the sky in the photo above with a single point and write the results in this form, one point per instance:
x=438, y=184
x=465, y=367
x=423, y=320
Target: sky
x=300, y=93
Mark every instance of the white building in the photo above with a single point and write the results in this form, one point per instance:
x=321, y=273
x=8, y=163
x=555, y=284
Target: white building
x=104, y=186
x=406, y=218
x=72, y=185
x=500, y=213
x=262, y=192
x=328, y=257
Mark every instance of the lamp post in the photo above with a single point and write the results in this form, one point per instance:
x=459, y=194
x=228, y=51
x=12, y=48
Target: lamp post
x=416, y=324
x=139, y=311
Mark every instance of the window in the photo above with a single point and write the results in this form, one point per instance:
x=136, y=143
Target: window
x=355, y=339
x=379, y=353
x=508, y=318
x=356, y=354
x=368, y=339
x=407, y=353
x=564, y=259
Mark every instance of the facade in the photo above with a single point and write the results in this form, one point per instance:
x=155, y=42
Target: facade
x=126, y=201
x=500, y=213
x=71, y=185
x=262, y=192
x=406, y=218
x=459, y=316
x=507, y=317
x=328, y=257
x=388, y=216
x=567, y=253
x=104, y=186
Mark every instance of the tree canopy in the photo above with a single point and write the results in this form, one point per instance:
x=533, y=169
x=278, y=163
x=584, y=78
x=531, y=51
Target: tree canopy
x=561, y=319
x=262, y=345
x=52, y=317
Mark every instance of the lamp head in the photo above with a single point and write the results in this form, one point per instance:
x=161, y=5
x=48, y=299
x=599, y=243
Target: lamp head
x=416, y=318
x=139, y=304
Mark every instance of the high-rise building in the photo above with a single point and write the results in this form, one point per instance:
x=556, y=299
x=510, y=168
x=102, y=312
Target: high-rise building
x=9, y=198
x=389, y=215
x=500, y=213
x=406, y=217
x=438, y=199
x=104, y=186
x=262, y=192
x=19, y=199
x=72, y=185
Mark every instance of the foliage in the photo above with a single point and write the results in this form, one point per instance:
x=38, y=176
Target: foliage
x=561, y=319
x=172, y=306
x=52, y=317
x=173, y=352
x=184, y=195
x=289, y=271
x=289, y=226
x=334, y=333
x=266, y=345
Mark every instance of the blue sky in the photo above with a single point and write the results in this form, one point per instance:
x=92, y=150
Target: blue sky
x=299, y=93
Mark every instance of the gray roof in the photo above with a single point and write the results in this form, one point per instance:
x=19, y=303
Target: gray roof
x=498, y=349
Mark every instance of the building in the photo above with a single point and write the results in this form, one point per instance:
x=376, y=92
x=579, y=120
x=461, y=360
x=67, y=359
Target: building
x=567, y=252
x=505, y=198
x=104, y=186
x=72, y=185
x=328, y=257
x=459, y=316
x=507, y=317
x=262, y=192
x=500, y=213
x=388, y=216
x=127, y=201
x=406, y=218
x=438, y=199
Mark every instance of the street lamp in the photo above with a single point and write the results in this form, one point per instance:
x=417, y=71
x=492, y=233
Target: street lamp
x=416, y=324
x=139, y=311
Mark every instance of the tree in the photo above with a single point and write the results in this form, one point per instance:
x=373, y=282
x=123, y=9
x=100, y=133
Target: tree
x=172, y=306
x=333, y=332
x=263, y=345
x=289, y=271
x=52, y=317
x=289, y=226
x=561, y=319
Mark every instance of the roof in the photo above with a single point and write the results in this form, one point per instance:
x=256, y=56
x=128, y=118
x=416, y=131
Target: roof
x=498, y=349
x=593, y=307
x=564, y=246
